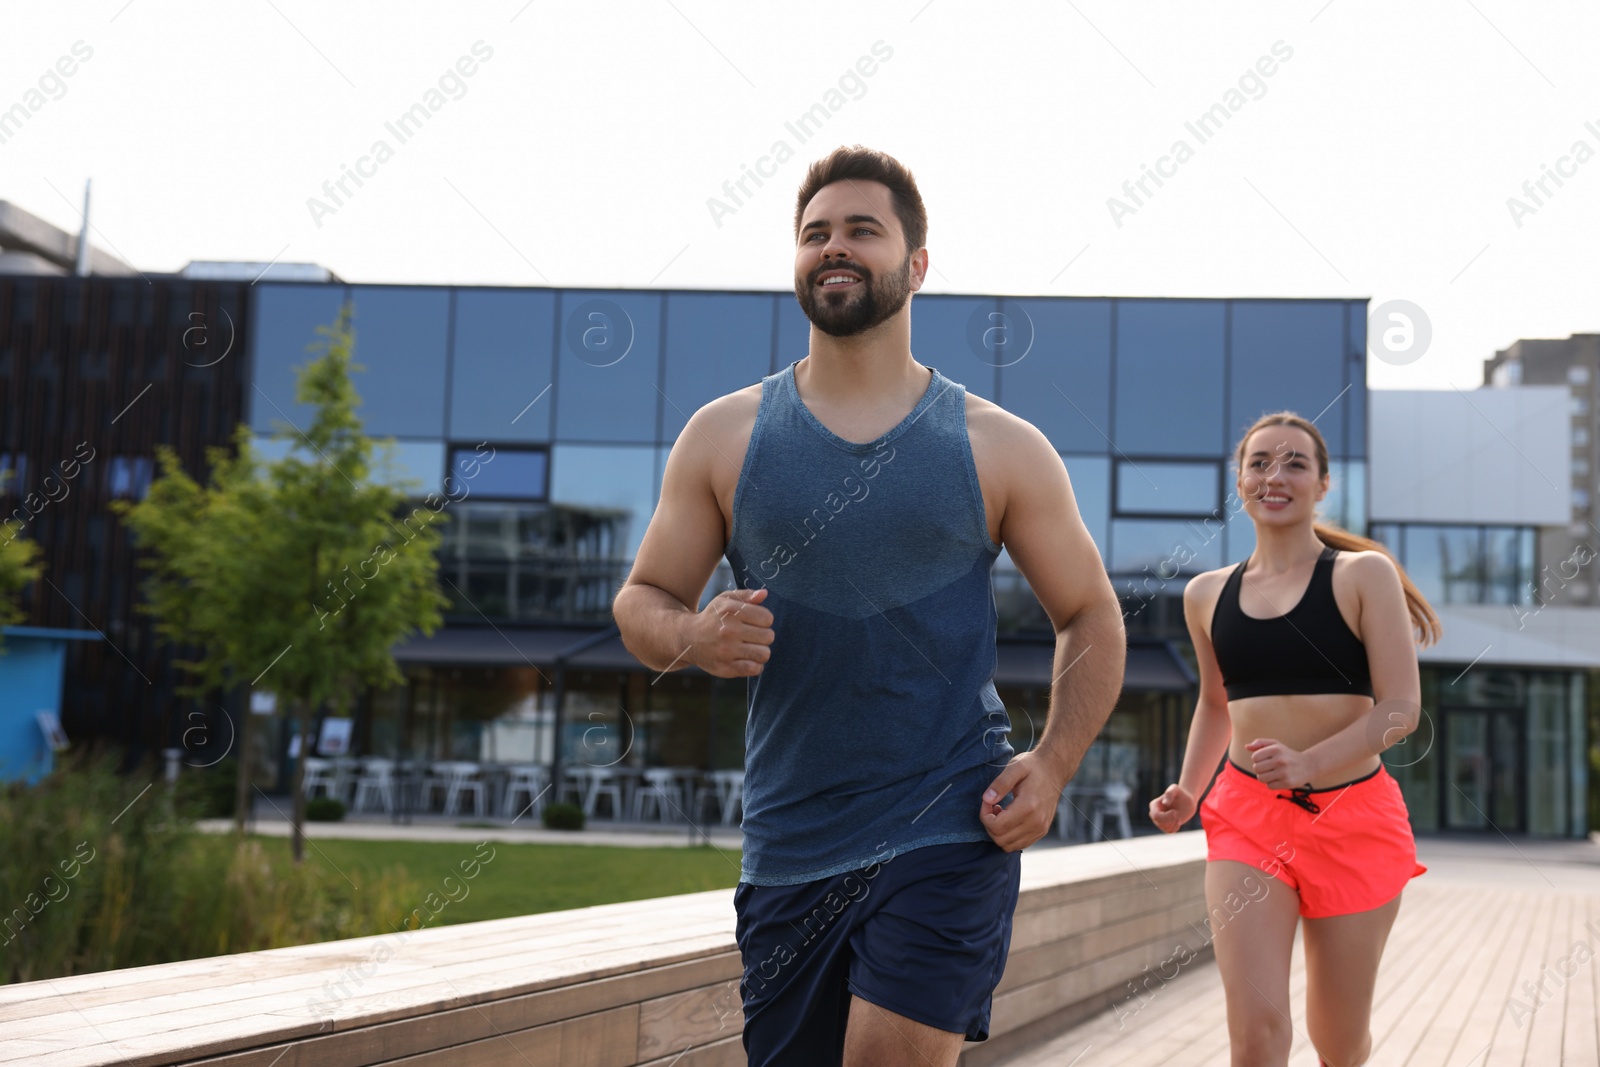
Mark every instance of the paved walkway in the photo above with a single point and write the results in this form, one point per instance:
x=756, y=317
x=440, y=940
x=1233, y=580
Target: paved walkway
x=1492, y=963
x=453, y=830
x=271, y=817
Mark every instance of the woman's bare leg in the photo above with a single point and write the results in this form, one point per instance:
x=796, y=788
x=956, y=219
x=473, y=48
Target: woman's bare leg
x=1342, y=954
x=1253, y=917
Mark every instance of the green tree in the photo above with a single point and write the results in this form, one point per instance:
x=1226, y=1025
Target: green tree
x=298, y=575
x=19, y=565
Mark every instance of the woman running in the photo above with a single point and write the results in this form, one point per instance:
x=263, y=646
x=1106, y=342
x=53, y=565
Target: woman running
x=1308, y=670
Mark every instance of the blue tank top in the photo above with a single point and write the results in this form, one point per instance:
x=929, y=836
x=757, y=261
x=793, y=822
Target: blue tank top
x=874, y=727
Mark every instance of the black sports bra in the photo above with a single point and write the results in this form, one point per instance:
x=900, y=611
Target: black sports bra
x=1308, y=649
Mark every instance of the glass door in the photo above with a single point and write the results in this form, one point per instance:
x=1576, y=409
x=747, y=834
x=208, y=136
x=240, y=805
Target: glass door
x=1482, y=785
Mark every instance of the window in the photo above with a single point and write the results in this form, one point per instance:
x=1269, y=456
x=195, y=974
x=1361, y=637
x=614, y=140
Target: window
x=286, y=321
x=412, y=465
x=1578, y=374
x=940, y=338
x=1580, y=500
x=1465, y=564
x=794, y=333
x=1153, y=487
x=1239, y=535
x=1346, y=502
x=612, y=480
x=716, y=343
x=491, y=472
x=530, y=561
x=1445, y=562
x=13, y=473
x=1507, y=373
x=1091, y=487
x=1527, y=559
x=1580, y=437
x=608, y=359
x=1287, y=355
x=1387, y=535
x=1505, y=570
x=1580, y=405
x=1169, y=374
x=402, y=340
x=500, y=364
x=1580, y=466
x=129, y=476
x=1165, y=549
x=1063, y=384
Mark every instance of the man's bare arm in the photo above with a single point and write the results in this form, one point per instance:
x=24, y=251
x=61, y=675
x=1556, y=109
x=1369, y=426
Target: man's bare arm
x=1045, y=535
x=657, y=607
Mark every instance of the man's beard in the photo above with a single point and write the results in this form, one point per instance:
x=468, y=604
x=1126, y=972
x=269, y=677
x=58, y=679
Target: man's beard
x=865, y=306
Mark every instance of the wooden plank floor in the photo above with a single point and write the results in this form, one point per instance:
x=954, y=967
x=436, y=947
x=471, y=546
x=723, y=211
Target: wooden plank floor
x=1457, y=988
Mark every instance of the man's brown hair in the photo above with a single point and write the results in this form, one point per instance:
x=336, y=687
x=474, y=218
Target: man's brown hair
x=856, y=163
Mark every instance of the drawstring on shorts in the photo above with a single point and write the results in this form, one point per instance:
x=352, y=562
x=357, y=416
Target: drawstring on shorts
x=1302, y=797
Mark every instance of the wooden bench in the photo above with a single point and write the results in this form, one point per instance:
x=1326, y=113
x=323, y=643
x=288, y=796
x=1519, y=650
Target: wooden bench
x=651, y=982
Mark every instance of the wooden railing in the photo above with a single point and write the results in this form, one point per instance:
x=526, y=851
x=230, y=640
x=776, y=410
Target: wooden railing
x=652, y=982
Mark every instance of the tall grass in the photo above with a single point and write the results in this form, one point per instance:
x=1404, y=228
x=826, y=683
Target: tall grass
x=100, y=870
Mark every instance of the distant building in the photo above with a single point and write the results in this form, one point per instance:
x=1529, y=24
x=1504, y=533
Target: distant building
x=1574, y=365
x=219, y=271
x=1466, y=489
x=30, y=245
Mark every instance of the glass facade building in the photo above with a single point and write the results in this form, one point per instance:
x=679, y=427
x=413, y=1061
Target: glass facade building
x=579, y=395
x=582, y=392
x=1500, y=750
x=1466, y=564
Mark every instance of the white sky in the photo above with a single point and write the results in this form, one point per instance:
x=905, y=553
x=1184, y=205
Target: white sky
x=1378, y=163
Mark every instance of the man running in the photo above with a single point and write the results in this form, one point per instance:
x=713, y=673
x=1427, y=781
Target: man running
x=861, y=499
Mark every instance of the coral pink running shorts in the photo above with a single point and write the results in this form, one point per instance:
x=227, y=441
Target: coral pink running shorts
x=1344, y=849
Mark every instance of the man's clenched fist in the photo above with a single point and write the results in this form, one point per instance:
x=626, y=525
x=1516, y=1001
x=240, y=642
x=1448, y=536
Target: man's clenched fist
x=732, y=636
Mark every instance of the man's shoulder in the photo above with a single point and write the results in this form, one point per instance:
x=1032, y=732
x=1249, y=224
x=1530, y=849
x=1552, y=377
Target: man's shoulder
x=731, y=413
x=994, y=426
x=719, y=432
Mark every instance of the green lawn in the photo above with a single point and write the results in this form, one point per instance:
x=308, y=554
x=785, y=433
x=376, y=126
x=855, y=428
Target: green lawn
x=524, y=879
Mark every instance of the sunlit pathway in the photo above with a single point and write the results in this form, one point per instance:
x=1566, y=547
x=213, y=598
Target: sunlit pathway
x=1458, y=987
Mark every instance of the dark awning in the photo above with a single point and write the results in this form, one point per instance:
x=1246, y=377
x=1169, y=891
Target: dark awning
x=1153, y=666
x=511, y=646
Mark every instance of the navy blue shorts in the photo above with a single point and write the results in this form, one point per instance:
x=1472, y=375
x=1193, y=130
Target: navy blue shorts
x=923, y=934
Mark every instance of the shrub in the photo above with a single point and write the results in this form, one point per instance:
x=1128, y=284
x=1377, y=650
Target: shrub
x=563, y=817
x=104, y=870
x=324, y=809
x=208, y=792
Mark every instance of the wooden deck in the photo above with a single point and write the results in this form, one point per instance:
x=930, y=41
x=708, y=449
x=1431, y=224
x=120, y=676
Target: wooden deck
x=651, y=983
x=1451, y=988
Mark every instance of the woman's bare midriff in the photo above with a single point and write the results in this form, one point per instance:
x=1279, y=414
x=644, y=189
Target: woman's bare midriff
x=1299, y=721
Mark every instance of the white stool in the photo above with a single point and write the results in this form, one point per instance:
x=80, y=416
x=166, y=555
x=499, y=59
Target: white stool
x=319, y=775
x=531, y=780
x=603, y=782
x=1066, y=816
x=464, y=778
x=1113, y=800
x=377, y=779
x=730, y=793
x=345, y=771
x=437, y=780
x=660, y=790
